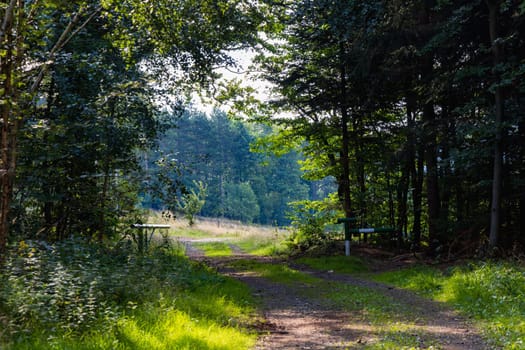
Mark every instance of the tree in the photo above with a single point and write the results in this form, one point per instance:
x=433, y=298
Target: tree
x=192, y=37
x=23, y=67
x=193, y=201
x=222, y=152
x=240, y=202
x=321, y=76
x=426, y=94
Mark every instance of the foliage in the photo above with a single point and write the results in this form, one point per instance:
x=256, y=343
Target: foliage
x=240, y=202
x=310, y=220
x=77, y=87
x=411, y=108
x=192, y=202
x=77, y=295
x=216, y=150
x=491, y=292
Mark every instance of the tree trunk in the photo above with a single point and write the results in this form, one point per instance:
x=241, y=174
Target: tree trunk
x=402, y=199
x=433, y=200
x=6, y=170
x=345, y=147
x=360, y=173
x=417, y=196
x=521, y=186
x=497, y=177
x=414, y=173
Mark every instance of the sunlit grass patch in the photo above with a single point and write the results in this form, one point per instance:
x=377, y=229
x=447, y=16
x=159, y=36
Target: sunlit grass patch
x=279, y=273
x=174, y=329
x=262, y=246
x=214, y=248
x=491, y=293
x=190, y=233
x=340, y=264
x=424, y=280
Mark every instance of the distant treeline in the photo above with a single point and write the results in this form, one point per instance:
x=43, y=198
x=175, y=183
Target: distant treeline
x=240, y=184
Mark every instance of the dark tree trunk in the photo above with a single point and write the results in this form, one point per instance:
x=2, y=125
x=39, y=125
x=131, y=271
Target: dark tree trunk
x=402, y=199
x=497, y=177
x=361, y=178
x=345, y=147
x=6, y=138
x=417, y=196
x=415, y=168
x=521, y=186
x=432, y=183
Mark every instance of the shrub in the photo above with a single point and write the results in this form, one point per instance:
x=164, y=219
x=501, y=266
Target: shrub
x=309, y=222
x=73, y=285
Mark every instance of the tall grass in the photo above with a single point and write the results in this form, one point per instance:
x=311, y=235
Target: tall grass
x=493, y=293
x=74, y=295
x=263, y=245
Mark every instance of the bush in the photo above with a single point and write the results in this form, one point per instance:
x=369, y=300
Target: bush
x=73, y=285
x=309, y=222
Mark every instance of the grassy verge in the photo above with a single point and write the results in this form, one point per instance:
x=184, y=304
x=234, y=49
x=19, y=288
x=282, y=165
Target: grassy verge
x=76, y=296
x=262, y=246
x=492, y=293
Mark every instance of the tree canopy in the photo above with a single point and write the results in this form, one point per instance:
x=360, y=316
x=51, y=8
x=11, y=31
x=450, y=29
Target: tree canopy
x=414, y=107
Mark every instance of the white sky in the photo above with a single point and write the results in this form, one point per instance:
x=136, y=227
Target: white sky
x=243, y=59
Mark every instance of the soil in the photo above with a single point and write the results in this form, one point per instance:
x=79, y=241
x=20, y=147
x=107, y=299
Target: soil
x=292, y=320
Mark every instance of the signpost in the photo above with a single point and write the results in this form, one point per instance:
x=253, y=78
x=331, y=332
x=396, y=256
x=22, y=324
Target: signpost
x=349, y=231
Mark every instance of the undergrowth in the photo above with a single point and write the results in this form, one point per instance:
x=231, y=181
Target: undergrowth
x=76, y=295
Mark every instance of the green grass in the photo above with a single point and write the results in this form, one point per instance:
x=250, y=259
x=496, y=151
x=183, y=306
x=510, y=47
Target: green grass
x=79, y=297
x=214, y=248
x=279, y=273
x=261, y=246
x=491, y=293
x=190, y=233
x=340, y=264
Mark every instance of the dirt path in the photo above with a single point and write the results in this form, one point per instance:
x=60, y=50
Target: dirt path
x=296, y=319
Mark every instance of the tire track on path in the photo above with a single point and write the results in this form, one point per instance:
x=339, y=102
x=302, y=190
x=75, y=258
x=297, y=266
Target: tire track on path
x=296, y=319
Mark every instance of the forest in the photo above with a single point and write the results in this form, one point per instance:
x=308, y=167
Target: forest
x=415, y=111
x=240, y=184
x=407, y=114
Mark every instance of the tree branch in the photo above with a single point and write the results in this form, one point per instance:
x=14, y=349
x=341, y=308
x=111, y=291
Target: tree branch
x=8, y=17
x=65, y=37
